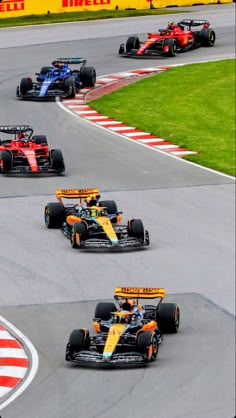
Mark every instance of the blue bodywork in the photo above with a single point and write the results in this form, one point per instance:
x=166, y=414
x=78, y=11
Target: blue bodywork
x=52, y=81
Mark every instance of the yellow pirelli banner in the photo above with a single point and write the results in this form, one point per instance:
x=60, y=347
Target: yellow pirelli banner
x=15, y=8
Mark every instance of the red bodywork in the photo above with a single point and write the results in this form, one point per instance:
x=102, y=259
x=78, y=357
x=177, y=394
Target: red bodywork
x=182, y=37
x=25, y=148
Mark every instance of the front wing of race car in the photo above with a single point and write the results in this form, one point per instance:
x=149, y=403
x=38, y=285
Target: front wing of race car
x=36, y=93
x=93, y=357
x=130, y=242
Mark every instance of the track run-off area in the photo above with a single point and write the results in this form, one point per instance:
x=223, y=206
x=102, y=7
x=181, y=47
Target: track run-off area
x=47, y=289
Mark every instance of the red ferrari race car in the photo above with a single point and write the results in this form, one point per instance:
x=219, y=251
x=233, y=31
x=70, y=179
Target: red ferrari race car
x=175, y=38
x=26, y=152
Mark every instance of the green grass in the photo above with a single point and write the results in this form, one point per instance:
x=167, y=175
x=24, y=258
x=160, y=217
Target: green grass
x=192, y=106
x=76, y=16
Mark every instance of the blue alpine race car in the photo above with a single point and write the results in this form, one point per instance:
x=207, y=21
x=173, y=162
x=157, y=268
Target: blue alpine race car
x=58, y=80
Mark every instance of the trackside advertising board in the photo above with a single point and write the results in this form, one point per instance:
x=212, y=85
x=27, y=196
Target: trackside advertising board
x=15, y=8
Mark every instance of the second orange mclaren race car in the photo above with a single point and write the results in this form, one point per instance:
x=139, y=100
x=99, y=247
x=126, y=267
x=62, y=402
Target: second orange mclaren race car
x=91, y=223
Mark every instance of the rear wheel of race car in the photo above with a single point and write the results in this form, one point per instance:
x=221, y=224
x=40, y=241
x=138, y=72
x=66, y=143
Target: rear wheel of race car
x=169, y=48
x=57, y=161
x=136, y=229
x=26, y=84
x=103, y=310
x=168, y=318
x=70, y=87
x=78, y=340
x=43, y=72
x=6, y=161
x=133, y=42
x=40, y=139
x=207, y=37
x=88, y=76
x=79, y=233
x=147, y=344
x=54, y=215
x=110, y=205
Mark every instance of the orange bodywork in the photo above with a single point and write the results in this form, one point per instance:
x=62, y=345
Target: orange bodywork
x=71, y=219
x=150, y=326
x=96, y=326
x=76, y=193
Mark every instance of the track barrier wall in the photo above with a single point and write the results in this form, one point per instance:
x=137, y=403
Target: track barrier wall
x=16, y=8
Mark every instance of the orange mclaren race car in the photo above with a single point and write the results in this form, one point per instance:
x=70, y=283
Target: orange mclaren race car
x=90, y=223
x=128, y=332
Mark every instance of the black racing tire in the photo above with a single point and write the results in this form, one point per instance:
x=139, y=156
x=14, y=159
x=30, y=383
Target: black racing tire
x=110, y=205
x=26, y=84
x=40, y=139
x=121, y=49
x=70, y=87
x=54, y=215
x=78, y=340
x=133, y=42
x=78, y=234
x=172, y=47
x=168, y=318
x=88, y=76
x=136, y=229
x=103, y=310
x=207, y=37
x=44, y=70
x=145, y=339
x=6, y=161
x=57, y=161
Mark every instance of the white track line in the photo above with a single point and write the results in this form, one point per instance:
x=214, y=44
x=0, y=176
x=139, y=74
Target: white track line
x=33, y=366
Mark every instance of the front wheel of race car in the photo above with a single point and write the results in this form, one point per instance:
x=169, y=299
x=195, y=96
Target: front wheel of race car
x=169, y=47
x=54, y=215
x=133, y=42
x=70, y=87
x=207, y=37
x=147, y=344
x=103, y=310
x=88, y=76
x=168, y=318
x=79, y=233
x=136, y=229
x=6, y=161
x=57, y=161
x=26, y=85
x=78, y=340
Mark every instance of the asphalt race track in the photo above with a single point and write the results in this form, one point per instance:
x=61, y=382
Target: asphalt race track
x=48, y=289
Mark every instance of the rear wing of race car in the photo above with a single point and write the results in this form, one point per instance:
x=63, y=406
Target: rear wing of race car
x=77, y=194
x=15, y=129
x=140, y=292
x=194, y=22
x=71, y=60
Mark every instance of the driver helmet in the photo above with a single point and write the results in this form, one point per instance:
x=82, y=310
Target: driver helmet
x=58, y=64
x=171, y=24
x=93, y=212
x=21, y=135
